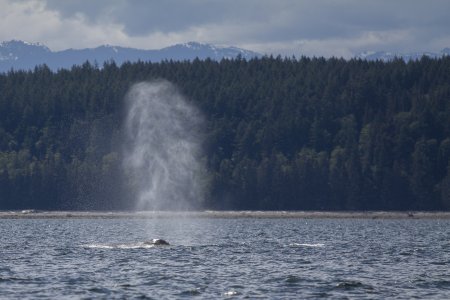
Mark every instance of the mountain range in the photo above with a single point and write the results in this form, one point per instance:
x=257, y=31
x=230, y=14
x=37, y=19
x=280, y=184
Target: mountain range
x=20, y=55
x=17, y=54
x=388, y=56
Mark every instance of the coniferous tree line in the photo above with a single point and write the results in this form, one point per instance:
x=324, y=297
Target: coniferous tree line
x=281, y=134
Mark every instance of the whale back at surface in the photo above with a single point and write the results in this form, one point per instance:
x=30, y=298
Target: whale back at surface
x=157, y=242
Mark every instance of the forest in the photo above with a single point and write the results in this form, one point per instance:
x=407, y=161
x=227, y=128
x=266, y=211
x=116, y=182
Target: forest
x=280, y=133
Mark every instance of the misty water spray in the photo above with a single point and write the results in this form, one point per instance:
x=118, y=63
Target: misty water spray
x=163, y=148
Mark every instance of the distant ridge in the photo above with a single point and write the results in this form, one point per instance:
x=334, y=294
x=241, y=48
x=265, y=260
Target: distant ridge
x=389, y=56
x=20, y=55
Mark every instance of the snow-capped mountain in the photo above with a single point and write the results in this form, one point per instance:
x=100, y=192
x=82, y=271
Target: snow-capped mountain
x=388, y=56
x=22, y=55
x=192, y=50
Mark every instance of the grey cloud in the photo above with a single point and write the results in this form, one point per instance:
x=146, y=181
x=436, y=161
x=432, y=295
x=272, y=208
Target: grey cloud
x=91, y=9
x=142, y=17
x=305, y=19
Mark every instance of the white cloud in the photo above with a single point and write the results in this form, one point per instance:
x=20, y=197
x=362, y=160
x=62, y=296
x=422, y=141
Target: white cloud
x=338, y=47
x=31, y=21
x=24, y=20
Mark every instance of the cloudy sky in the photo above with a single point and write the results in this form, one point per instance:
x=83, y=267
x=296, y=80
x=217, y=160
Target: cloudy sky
x=287, y=27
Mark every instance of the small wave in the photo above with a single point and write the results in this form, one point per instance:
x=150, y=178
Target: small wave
x=119, y=246
x=306, y=245
x=11, y=279
x=191, y=292
x=348, y=285
x=231, y=293
x=292, y=279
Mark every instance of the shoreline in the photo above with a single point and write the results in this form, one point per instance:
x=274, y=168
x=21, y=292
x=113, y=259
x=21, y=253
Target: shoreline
x=33, y=214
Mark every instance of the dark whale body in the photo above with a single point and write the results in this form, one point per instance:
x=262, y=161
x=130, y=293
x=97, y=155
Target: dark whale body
x=157, y=242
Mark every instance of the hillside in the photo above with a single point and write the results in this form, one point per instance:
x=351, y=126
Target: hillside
x=281, y=134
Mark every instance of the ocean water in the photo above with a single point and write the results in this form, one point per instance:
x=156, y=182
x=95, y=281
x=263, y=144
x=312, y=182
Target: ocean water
x=212, y=258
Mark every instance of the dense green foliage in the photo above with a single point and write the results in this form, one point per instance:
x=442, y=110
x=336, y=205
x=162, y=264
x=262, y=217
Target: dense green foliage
x=281, y=133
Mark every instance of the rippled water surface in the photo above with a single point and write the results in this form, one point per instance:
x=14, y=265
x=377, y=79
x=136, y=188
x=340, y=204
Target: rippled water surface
x=225, y=258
